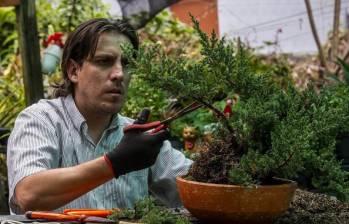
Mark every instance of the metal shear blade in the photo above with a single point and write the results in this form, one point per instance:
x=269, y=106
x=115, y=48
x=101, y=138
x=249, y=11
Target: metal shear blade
x=159, y=125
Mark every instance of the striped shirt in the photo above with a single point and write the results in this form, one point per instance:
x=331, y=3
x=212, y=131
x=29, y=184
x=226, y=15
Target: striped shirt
x=53, y=133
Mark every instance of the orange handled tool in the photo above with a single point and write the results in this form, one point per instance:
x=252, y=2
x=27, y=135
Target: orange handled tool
x=52, y=216
x=91, y=212
x=73, y=216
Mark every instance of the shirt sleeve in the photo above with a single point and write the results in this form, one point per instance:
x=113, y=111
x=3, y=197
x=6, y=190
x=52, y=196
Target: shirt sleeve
x=32, y=147
x=169, y=164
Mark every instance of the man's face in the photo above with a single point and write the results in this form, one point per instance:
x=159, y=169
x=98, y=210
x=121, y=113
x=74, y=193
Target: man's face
x=101, y=83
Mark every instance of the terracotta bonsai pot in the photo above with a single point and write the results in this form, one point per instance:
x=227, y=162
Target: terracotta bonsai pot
x=236, y=204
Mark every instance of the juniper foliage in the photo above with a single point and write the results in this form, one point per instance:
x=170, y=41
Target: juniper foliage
x=275, y=132
x=148, y=212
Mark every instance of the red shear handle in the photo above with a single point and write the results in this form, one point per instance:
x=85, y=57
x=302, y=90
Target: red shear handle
x=158, y=128
x=142, y=127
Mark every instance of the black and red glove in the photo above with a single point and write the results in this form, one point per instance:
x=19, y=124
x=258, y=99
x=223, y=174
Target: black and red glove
x=137, y=149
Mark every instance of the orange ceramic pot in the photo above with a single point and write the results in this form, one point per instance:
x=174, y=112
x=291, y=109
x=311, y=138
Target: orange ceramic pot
x=233, y=204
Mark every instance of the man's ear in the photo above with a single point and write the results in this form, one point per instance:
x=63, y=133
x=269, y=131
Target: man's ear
x=73, y=70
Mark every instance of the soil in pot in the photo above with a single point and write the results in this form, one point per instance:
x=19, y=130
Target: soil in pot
x=214, y=162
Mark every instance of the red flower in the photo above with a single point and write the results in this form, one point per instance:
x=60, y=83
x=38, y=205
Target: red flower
x=55, y=38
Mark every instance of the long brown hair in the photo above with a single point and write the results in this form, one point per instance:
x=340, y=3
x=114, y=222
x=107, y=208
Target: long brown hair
x=82, y=43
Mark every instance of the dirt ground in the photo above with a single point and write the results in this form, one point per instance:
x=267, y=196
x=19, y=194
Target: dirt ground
x=315, y=208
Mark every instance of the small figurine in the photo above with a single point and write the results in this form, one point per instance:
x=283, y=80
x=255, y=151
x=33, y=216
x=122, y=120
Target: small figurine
x=229, y=104
x=190, y=136
x=227, y=109
x=208, y=132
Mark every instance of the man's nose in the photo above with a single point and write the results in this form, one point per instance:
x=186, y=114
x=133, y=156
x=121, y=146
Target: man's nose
x=117, y=72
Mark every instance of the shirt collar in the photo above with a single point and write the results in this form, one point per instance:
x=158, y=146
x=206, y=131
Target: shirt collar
x=74, y=113
x=115, y=122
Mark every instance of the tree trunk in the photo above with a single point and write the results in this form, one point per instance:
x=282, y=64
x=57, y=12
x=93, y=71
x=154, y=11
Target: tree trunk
x=29, y=49
x=316, y=37
x=337, y=9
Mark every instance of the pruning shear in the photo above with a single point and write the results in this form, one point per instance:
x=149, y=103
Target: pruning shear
x=74, y=215
x=159, y=125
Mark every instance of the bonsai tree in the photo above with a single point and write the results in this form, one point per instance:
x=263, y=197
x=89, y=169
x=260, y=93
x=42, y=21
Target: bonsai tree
x=275, y=132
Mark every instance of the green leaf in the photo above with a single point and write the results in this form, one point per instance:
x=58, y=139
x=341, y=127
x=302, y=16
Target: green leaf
x=345, y=68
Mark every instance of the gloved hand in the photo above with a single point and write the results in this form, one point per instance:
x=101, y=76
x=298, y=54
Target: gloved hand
x=137, y=149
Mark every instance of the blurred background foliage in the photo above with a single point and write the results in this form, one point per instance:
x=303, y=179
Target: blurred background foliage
x=8, y=35
x=67, y=14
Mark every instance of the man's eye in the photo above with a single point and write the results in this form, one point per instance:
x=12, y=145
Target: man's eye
x=124, y=62
x=104, y=61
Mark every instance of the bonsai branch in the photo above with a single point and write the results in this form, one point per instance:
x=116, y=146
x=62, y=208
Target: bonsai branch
x=285, y=161
x=219, y=113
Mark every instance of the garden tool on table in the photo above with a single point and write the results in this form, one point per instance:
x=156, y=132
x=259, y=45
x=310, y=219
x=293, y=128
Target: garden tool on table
x=73, y=215
x=104, y=213
x=157, y=126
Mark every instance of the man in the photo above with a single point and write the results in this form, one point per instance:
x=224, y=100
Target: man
x=71, y=152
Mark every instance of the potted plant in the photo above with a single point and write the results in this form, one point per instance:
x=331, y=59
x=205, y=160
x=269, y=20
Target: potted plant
x=276, y=132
